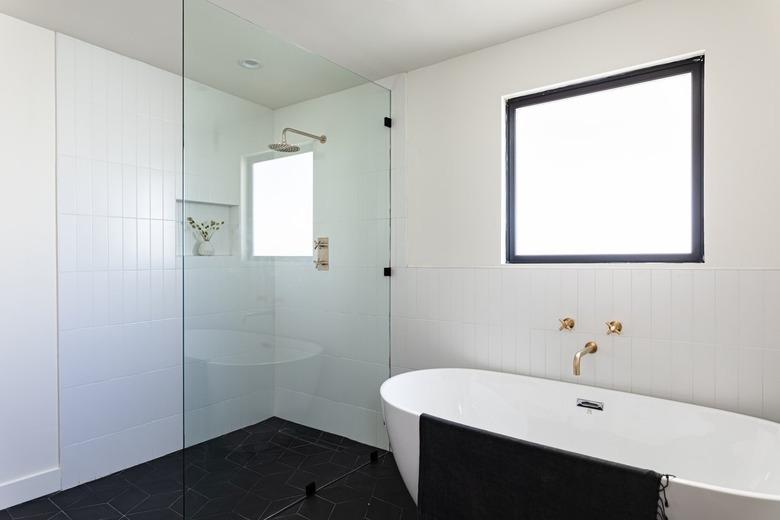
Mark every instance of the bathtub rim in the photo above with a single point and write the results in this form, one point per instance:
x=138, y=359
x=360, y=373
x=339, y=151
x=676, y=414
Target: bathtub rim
x=693, y=483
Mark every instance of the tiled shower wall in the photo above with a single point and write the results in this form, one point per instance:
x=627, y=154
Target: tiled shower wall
x=698, y=335
x=119, y=156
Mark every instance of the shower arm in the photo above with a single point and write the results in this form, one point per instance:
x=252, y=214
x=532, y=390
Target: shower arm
x=320, y=138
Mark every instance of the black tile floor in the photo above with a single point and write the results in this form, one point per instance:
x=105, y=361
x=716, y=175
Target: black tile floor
x=254, y=473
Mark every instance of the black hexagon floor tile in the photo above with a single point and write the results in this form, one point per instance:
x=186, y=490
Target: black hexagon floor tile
x=255, y=473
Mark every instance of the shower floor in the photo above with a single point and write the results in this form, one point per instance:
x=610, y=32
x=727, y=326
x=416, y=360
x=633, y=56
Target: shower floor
x=253, y=473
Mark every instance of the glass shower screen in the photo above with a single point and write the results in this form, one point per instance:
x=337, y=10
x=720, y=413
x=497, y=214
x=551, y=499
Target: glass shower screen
x=286, y=309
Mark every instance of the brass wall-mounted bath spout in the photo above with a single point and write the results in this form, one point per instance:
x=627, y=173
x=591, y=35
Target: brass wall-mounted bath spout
x=590, y=348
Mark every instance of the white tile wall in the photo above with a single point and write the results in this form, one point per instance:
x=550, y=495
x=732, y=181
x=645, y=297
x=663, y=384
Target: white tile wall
x=119, y=289
x=696, y=335
x=672, y=346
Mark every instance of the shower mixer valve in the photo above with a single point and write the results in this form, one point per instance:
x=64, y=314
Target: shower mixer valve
x=321, y=254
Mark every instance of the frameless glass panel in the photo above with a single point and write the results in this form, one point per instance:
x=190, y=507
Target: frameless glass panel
x=284, y=355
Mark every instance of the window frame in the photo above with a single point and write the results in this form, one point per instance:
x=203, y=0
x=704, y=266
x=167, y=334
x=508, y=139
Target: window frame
x=694, y=66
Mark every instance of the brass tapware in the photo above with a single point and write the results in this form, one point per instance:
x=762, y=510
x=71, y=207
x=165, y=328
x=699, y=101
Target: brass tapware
x=322, y=254
x=566, y=324
x=590, y=348
x=614, y=327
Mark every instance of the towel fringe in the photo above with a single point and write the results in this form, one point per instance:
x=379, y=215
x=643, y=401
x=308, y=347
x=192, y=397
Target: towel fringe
x=663, y=501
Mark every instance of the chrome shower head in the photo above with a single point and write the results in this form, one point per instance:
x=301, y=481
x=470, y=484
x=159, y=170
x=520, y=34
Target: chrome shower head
x=285, y=147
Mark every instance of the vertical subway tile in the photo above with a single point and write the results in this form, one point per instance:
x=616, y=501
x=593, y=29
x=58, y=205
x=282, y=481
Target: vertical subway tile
x=67, y=243
x=552, y=298
x=771, y=308
x=586, y=295
x=450, y=295
x=662, y=303
x=482, y=296
x=84, y=243
x=100, y=243
x=727, y=378
x=704, y=306
x=523, y=354
x=622, y=363
x=143, y=243
x=469, y=295
x=727, y=308
x=603, y=296
x=494, y=296
x=661, y=368
x=641, y=366
x=99, y=188
x=115, y=186
x=553, y=354
x=143, y=192
x=538, y=356
x=129, y=192
x=751, y=308
x=129, y=244
x=538, y=298
x=115, y=243
x=704, y=370
x=621, y=299
x=428, y=294
x=603, y=362
x=469, y=346
x=83, y=186
x=508, y=348
x=751, y=381
x=100, y=298
x=481, y=357
x=682, y=371
x=771, y=386
x=494, y=347
x=67, y=185
x=682, y=305
x=569, y=299
x=641, y=323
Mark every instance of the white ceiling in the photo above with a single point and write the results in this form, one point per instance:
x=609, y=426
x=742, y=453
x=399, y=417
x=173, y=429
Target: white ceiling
x=375, y=38
x=148, y=30
x=378, y=38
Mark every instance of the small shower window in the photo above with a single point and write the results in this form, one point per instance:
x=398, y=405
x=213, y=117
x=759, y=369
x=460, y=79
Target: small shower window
x=609, y=170
x=282, y=205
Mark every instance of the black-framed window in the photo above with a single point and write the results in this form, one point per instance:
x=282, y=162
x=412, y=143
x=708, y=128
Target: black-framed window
x=609, y=170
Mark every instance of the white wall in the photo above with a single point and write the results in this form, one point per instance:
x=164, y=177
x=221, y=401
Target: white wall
x=119, y=157
x=455, y=128
x=701, y=334
x=29, y=464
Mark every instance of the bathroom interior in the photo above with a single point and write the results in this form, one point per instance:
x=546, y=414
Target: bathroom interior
x=394, y=260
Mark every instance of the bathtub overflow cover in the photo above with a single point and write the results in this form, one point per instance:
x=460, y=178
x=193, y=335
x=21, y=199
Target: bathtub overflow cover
x=590, y=405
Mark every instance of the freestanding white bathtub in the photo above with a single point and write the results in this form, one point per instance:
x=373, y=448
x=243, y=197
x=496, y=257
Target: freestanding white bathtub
x=727, y=466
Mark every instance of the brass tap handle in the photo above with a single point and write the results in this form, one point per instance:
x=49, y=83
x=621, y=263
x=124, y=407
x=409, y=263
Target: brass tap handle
x=614, y=327
x=566, y=324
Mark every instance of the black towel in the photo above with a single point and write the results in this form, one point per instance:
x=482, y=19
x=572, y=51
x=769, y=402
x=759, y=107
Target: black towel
x=472, y=474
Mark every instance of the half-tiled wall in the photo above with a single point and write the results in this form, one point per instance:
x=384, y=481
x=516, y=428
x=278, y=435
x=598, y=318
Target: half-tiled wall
x=698, y=335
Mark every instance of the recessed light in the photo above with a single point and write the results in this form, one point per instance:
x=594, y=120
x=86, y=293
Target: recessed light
x=250, y=63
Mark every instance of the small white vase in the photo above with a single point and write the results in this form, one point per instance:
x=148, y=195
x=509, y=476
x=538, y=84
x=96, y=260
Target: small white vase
x=205, y=248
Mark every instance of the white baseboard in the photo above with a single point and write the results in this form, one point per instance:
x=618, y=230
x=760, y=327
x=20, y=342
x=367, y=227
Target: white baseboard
x=28, y=487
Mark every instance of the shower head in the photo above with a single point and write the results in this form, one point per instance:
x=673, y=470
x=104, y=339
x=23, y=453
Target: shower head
x=285, y=147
